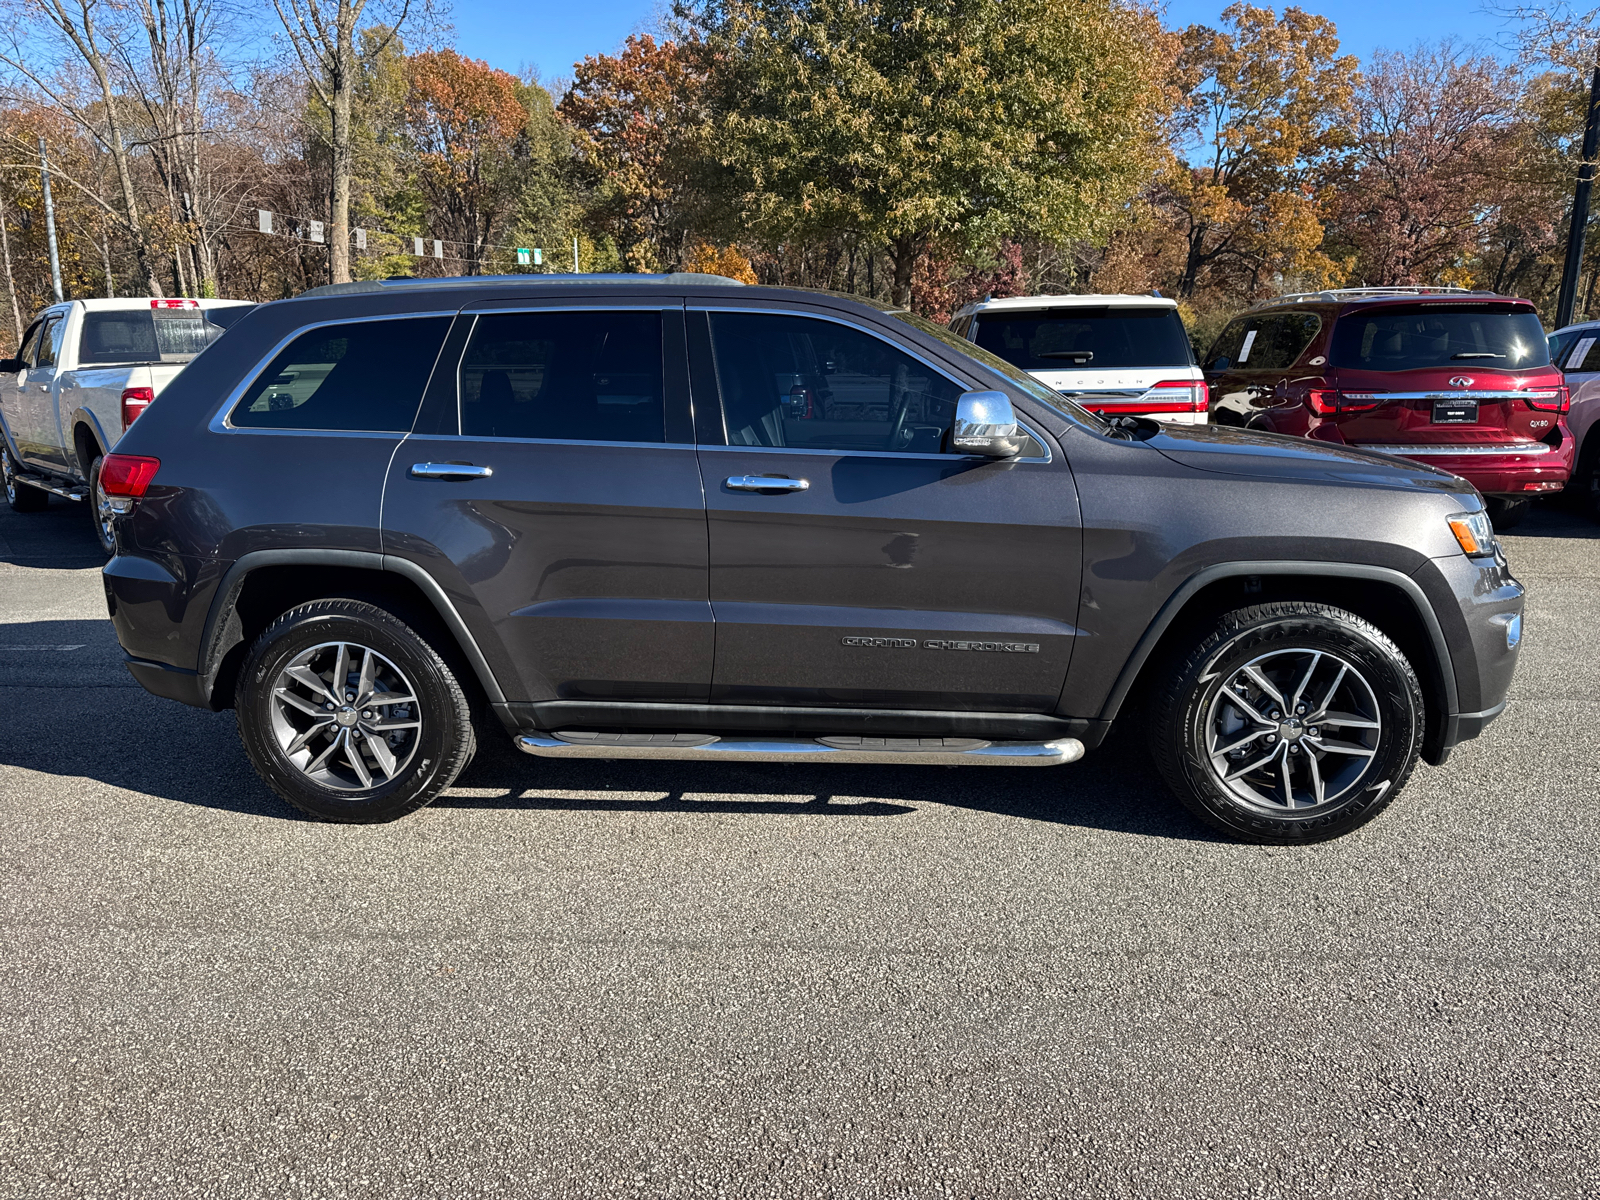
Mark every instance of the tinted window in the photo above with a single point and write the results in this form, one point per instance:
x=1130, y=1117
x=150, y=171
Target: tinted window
x=1437, y=335
x=813, y=384
x=142, y=336
x=1578, y=351
x=1105, y=338
x=366, y=375
x=1270, y=342
x=30, y=342
x=572, y=376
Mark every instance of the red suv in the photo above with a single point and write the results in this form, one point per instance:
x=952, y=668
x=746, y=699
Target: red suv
x=1456, y=379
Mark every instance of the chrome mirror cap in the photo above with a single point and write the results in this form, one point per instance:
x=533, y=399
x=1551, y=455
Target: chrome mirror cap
x=986, y=424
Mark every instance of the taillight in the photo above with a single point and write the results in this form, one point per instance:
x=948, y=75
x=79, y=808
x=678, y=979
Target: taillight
x=1168, y=396
x=1322, y=401
x=174, y=304
x=134, y=402
x=1359, y=401
x=1557, y=399
x=127, y=476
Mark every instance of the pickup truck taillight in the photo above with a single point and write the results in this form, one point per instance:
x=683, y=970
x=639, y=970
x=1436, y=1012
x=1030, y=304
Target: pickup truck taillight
x=124, y=478
x=134, y=402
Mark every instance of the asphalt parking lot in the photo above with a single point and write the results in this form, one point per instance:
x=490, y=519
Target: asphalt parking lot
x=591, y=979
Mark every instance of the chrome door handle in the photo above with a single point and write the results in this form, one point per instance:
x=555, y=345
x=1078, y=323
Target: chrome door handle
x=767, y=483
x=431, y=470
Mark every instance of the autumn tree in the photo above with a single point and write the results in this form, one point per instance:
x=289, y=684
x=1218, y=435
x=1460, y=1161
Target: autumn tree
x=910, y=125
x=1266, y=108
x=639, y=122
x=1434, y=146
x=466, y=122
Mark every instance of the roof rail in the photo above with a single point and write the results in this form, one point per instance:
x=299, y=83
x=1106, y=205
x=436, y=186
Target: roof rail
x=1333, y=295
x=675, y=279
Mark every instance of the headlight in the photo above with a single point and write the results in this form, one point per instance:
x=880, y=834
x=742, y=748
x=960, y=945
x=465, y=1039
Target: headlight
x=1474, y=532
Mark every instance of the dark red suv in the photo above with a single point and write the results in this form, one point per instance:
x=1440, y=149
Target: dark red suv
x=1456, y=379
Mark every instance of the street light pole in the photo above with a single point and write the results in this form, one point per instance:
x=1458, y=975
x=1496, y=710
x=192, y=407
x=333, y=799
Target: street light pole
x=1580, y=208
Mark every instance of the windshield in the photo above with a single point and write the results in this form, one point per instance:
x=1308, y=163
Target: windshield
x=1012, y=375
x=1438, y=335
x=1101, y=338
x=143, y=336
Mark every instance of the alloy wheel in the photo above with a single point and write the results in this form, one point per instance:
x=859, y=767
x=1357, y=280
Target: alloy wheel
x=1293, y=731
x=10, y=476
x=104, y=516
x=345, y=716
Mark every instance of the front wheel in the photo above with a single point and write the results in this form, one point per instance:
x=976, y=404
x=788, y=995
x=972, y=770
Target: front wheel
x=349, y=715
x=20, y=496
x=1289, y=723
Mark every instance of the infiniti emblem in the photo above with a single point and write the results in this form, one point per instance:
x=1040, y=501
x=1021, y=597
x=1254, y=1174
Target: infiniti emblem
x=1461, y=381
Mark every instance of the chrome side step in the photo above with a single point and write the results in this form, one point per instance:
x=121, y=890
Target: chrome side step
x=908, y=751
x=80, y=492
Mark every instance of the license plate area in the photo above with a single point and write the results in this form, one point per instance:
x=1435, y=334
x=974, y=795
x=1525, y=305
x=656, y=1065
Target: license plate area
x=1455, y=412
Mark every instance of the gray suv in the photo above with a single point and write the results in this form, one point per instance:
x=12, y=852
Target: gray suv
x=677, y=517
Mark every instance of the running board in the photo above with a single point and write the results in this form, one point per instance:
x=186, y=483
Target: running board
x=909, y=751
x=55, y=489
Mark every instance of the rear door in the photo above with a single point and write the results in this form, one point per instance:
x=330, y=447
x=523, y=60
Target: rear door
x=874, y=570
x=551, y=487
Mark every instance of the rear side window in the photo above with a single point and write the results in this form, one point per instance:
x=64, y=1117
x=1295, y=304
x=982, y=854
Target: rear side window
x=590, y=376
x=1439, y=335
x=1103, y=338
x=361, y=376
x=134, y=336
x=1270, y=342
x=1577, y=351
x=819, y=385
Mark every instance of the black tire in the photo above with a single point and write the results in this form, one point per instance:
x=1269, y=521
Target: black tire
x=1587, y=480
x=1505, y=513
x=100, y=510
x=1358, y=775
x=423, y=763
x=20, y=496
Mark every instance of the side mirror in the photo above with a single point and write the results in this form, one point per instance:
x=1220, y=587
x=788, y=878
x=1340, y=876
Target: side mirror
x=1219, y=364
x=986, y=424
x=10, y=366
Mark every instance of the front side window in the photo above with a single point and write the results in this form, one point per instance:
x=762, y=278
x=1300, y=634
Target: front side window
x=819, y=385
x=1270, y=342
x=1104, y=338
x=593, y=375
x=30, y=343
x=1407, y=337
x=50, y=341
x=361, y=376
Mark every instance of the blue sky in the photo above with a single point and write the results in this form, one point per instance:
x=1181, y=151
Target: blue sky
x=553, y=36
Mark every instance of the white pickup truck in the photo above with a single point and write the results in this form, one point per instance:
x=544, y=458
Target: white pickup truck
x=86, y=369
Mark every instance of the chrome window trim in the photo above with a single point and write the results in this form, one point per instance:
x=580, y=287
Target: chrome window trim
x=975, y=458
x=965, y=385
x=221, y=420
x=520, y=441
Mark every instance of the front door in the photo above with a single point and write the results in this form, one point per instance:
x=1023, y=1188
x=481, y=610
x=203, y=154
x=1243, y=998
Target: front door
x=551, y=488
x=853, y=562
x=37, y=396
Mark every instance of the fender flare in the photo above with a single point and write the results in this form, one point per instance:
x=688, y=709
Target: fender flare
x=1443, y=661
x=222, y=611
x=82, y=416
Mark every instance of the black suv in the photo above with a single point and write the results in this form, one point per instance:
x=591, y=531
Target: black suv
x=677, y=517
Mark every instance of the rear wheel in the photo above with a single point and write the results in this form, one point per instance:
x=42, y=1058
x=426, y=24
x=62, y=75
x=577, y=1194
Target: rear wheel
x=20, y=496
x=349, y=715
x=1505, y=513
x=100, y=509
x=1289, y=723
x=1587, y=480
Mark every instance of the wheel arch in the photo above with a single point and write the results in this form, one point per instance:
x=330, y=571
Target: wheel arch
x=1389, y=599
x=86, y=428
x=262, y=585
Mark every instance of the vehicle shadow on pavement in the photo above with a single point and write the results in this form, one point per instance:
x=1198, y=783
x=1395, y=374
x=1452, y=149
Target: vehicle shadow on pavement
x=1556, y=518
x=60, y=676
x=1111, y=789
x=59, y=538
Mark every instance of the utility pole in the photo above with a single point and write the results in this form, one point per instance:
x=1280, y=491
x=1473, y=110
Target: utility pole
x=575, y=255
x=50, y=220
x=11, y=285
x=1580, y=207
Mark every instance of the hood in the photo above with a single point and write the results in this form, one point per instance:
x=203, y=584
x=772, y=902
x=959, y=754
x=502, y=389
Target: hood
x=1229, y=451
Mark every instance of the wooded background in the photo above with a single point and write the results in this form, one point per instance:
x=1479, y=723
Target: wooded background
x=918, y=151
